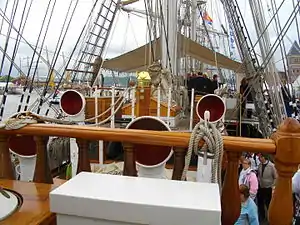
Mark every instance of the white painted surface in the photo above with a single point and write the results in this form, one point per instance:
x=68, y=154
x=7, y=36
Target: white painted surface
x=74, y=155
x=26, y=167
x=75, y=220
x=173, y=121
x=101, y=152
x=204, y=171
x=7, y=205
x=136, y=200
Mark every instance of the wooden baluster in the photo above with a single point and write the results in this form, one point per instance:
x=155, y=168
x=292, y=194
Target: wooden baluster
x=230, y=200
x=42, y=173
x=6, y=169
x=179, y=160
x=83, y=158
x=129, y=160
x=287, y=158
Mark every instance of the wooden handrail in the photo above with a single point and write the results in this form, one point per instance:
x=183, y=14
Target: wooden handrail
x=157, y=138
x=284, y=144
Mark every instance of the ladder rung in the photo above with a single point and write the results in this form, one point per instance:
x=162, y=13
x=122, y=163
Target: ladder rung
x=79, y=71
x=94, y=44
x=108, y=8
x=100, y=26
x=88, y=53
x=114, y=2
x=105, y=18
x=88, y=63
x=97, y=35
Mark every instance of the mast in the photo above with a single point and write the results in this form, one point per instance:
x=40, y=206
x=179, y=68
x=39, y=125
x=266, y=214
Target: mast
x=169, y=35
x=194, y=28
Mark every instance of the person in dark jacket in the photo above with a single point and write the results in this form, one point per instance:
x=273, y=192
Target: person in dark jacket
x=245, y=91
x=201, y=84
x=287, y=99
x=215, y=82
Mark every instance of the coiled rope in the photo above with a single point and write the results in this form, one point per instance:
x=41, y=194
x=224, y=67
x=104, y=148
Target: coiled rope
x=213, y=147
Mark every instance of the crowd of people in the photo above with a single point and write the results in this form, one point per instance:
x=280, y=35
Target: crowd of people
x=202, y=84
x=257, y=176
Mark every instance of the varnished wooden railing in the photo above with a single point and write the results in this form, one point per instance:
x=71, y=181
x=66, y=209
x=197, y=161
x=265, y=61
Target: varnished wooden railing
x=284, y=144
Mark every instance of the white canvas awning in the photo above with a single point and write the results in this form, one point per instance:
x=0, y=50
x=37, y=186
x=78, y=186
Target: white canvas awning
x=139, y=59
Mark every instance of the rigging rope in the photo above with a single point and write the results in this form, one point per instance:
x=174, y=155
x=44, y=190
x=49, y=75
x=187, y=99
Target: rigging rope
x=72, y=53
x=164, y=30
x=15, y=50
x=2, y=14
x=59, y=46
x=32, y=58
x=95, y=46
x=297, y=23
x=12, y=17
x=37, y=62
x=149, y=25
x=282, y=46
x=77, y=43
x=210, y=42
x=213, y=148
x=273, y=48
x=5, y=8
x=13, y=14
x=51, y=67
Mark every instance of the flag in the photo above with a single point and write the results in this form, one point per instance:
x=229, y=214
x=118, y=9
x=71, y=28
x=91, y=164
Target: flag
x=207, y=18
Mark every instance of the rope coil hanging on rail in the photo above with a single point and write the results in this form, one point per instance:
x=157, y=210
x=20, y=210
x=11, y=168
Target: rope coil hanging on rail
x=212, y=148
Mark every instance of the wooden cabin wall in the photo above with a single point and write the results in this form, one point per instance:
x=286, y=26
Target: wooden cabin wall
x=103, y=104
x=126, y=110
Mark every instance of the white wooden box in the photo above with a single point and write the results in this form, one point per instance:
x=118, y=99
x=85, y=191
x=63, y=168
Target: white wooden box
x=94, y=199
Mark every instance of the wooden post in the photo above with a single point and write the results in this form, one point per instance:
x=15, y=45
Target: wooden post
x=83, y=158
x=6, y=170
x=179, y=161
x=129, y=160
x=143, y=97
x=287, y=159
x=230, y=200
x=42, y=173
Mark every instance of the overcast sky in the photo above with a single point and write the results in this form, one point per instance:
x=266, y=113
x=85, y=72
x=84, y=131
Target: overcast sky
x=129, y=31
